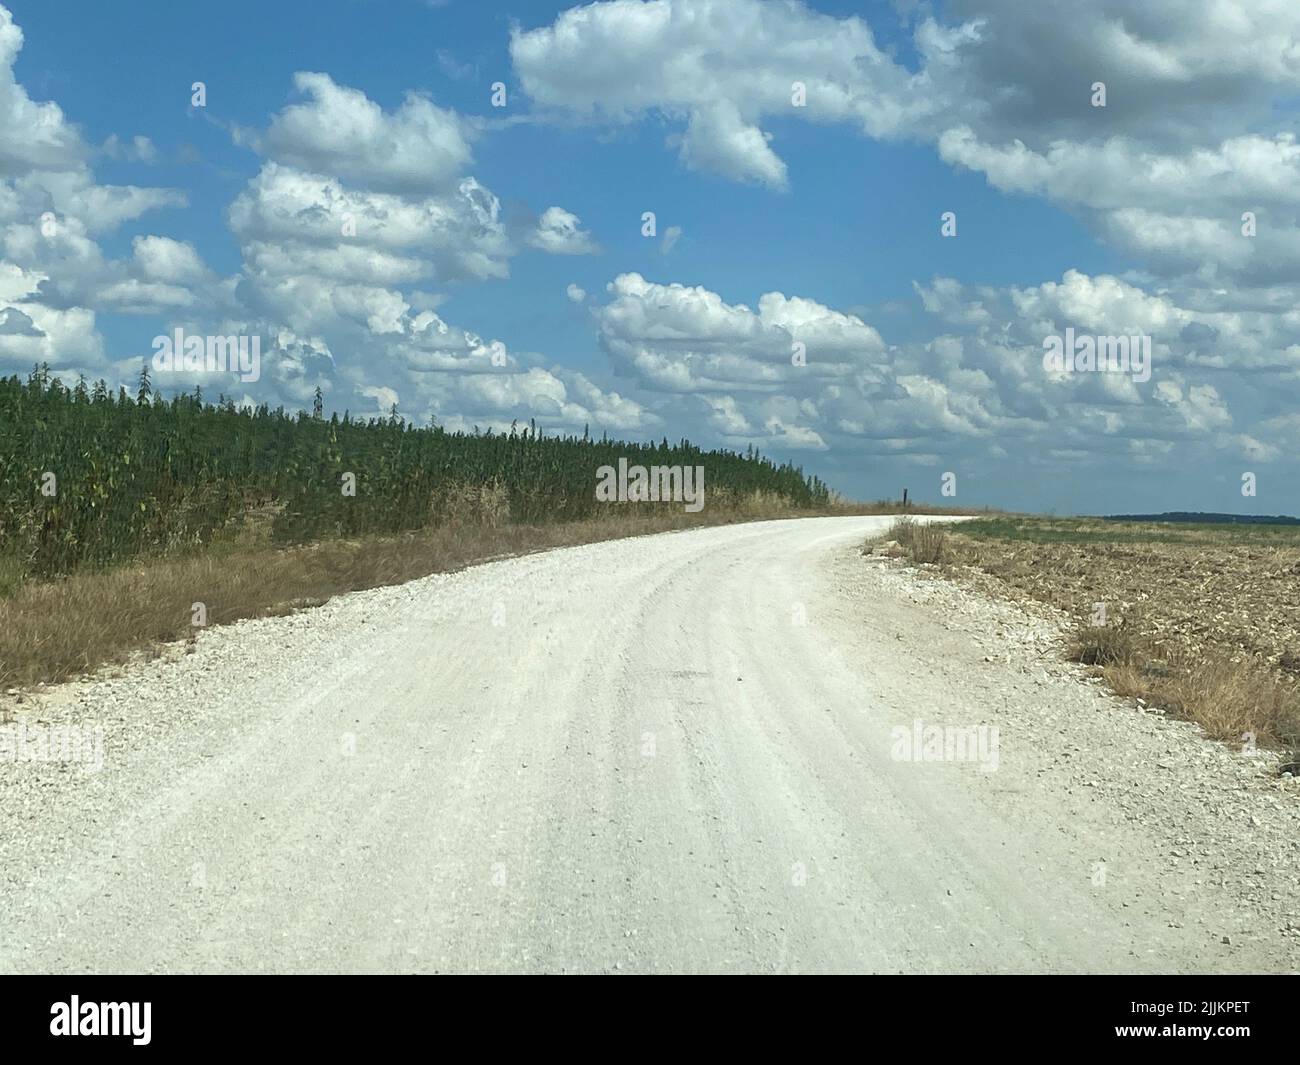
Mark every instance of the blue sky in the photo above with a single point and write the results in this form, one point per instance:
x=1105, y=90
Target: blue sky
x=823, y=222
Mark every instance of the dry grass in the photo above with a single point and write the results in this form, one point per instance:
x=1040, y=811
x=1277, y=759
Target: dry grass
x=1203, y=619
x=50, y=631
x=1103, y=645
x=902, y=530
x=1232, y=700
x=922, y=542
x=928, y=543
x=1230, y=697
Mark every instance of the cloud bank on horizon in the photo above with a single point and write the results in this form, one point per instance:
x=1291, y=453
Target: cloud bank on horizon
x=363, y=242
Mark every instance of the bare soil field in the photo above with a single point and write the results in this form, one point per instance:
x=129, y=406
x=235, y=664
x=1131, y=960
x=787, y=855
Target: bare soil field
x=1202, y=620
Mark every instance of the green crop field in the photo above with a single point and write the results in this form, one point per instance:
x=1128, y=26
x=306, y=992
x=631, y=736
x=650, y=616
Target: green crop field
x=89, y=477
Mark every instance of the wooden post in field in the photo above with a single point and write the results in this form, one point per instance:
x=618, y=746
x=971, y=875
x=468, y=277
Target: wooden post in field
x=904, y=498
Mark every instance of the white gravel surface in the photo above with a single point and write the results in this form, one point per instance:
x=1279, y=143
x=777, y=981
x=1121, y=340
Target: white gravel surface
x=669, y=753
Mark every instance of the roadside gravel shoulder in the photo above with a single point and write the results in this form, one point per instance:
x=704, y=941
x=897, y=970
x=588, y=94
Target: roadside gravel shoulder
x=1223, y=826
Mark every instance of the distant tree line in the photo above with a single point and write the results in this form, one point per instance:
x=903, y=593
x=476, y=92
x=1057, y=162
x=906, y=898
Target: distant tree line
x=89, y=476
x=1207, y=518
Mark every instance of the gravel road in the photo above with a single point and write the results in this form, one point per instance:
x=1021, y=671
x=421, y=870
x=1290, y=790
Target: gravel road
x=682, y=752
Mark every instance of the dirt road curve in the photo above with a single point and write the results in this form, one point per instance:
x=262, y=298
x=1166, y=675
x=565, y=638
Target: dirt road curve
x=671, y=753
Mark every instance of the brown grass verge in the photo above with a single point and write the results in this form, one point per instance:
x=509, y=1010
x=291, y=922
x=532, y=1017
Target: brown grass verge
x=51, y=631
x=1184, y=649
x=922, y=542
x=1103, y=645
x=1237, y=699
